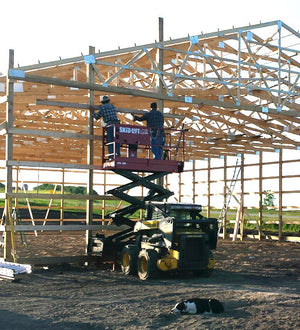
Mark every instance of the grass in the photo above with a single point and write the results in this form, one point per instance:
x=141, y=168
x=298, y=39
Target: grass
x=69, y=205
x=291, y=218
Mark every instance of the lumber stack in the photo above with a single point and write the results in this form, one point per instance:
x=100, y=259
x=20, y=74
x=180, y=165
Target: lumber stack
x=13, y=271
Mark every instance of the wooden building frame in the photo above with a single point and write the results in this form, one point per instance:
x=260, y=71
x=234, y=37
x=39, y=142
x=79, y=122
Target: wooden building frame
x=211, y=183
x=236, y=90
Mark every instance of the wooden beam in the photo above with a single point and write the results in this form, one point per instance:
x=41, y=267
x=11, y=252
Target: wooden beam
x=27, y=228
x=95, y=107
x=53, y=134
x=58, y=196
x=53, y=165
x=148, y=94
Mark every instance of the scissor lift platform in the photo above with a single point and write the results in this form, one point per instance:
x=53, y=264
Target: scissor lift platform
x=143, y=165
x=136, y=155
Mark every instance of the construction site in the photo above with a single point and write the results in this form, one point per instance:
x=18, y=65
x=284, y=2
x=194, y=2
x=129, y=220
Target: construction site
x=230, y=101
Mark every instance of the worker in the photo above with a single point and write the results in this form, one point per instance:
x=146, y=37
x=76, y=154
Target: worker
x=108, y=113
x=155, y=120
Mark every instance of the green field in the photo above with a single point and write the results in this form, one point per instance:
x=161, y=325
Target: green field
x=291, y=218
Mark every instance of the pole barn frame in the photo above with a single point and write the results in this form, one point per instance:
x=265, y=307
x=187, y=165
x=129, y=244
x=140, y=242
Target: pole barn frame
x=236, y=90
x=252, y=183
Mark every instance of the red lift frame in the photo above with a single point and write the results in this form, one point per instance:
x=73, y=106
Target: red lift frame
x=136, y=155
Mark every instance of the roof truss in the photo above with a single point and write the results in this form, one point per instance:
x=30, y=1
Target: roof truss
x=237, y=91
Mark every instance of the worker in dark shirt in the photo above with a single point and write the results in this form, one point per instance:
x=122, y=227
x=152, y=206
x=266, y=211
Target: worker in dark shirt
x=107, y=112
x=155, y=120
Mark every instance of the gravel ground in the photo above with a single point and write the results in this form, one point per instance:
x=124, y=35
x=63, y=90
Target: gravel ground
x=257, y=282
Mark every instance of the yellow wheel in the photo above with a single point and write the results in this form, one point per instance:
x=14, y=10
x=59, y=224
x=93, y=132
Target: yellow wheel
x=143, y=264
x=147, y=264
x=129, y=256
x=125, y=260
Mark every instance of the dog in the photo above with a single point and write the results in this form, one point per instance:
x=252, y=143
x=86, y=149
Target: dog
x=198, y=306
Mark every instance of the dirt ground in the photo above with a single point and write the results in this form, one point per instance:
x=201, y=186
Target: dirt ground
x=257, y=282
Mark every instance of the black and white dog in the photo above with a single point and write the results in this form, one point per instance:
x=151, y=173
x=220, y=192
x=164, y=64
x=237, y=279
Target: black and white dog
x=198, y=306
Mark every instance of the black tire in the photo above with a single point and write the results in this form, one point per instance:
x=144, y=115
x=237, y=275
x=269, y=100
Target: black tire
x=203, y=273
x=147, y=264
x=129, y=257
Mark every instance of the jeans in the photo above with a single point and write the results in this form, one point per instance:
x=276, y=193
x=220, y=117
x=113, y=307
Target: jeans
x=157, y=139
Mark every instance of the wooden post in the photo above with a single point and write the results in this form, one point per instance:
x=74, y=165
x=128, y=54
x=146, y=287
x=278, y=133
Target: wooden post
x=9, y=154
x=161, y=68
x=10, y=120
x=260, y=196
x=103, y=202
x=242, y=223
x=239, y=68
x=279, y=66
x=208, y=189
x=62, y=203
x=161, y=63
x=90, y=152
x=280, y=235
x=16, y=201
x=194, y=182
x=237, y=222
x=225, y=198
x=179, y=187
x=242, y=186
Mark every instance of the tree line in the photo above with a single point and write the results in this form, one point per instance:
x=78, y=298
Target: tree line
x=68, y=189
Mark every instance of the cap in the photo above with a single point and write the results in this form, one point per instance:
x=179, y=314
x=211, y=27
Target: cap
x=104, y=99
x=153, y=105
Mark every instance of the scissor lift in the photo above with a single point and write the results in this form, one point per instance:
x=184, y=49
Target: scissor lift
x=136, y=164
x=136, y=159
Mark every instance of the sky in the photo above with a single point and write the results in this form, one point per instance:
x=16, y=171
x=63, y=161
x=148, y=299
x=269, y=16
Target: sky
x=46, y=30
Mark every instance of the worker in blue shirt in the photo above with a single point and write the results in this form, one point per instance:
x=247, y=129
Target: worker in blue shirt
x=108, y=113
x=155, y=120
